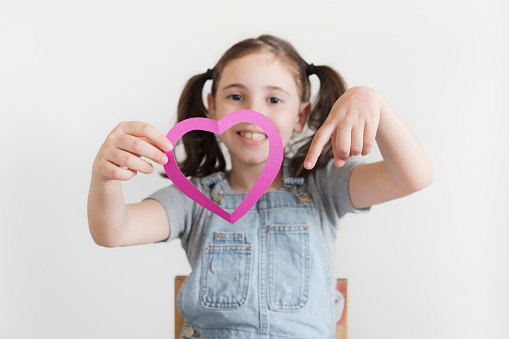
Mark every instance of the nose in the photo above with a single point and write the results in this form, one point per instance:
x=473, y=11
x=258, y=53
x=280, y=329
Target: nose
x=255, y=105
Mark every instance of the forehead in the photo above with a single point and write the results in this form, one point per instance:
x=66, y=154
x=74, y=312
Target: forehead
x=259, y=69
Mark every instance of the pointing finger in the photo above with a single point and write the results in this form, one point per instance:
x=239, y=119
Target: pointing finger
x=320, y=139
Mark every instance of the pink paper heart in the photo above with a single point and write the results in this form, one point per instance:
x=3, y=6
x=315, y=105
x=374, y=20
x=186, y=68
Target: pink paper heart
x=266, y=178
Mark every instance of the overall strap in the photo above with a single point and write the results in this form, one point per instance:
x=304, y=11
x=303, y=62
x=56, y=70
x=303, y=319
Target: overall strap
x=212, y=179
x=297, y=185
x=209, y=182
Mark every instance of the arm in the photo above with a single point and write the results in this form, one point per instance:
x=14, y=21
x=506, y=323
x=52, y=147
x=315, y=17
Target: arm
x=112, y=223
x=405, y=169
x=360, y=116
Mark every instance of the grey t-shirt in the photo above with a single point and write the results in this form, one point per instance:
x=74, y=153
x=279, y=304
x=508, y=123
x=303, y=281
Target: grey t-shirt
x=328, y=186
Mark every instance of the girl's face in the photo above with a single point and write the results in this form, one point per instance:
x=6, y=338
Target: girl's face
x=262, y=83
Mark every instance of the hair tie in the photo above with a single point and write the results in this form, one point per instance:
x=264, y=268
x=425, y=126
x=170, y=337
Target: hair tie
x=310, y=69
x=210, y=74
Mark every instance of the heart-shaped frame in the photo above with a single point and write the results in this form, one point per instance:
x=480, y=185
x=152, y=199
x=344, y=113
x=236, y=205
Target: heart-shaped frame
x=269, y=172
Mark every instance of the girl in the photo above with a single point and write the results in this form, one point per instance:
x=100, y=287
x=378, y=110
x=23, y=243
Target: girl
x=271, y=273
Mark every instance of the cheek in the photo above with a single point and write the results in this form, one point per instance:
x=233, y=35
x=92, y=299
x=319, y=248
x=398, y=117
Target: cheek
x=218, y=115
x=225, y=137
x=220, y=110
x=285, y=131
x=224, y=105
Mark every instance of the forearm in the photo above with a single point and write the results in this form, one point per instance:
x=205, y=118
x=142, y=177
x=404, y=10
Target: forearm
x=106, y=212
x=406, y=161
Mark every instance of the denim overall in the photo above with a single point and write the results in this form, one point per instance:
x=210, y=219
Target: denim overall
x=265, y=276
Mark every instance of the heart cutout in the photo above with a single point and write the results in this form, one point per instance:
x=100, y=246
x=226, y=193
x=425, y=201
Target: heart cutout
x=269, y=172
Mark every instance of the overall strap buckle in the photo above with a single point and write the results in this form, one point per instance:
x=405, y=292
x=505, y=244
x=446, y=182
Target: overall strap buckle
x=211, y=180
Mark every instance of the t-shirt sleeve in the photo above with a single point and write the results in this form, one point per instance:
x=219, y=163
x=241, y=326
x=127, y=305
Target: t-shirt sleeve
x=179, y=209
x=332, y=185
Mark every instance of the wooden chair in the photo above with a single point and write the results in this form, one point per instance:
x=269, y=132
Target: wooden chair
x=341, y=326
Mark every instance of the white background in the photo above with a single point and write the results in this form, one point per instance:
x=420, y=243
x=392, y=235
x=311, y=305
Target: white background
x=433, y=265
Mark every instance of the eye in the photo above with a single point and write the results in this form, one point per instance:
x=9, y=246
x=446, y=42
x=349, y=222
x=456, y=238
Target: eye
x=275, y=100
x=235, y=97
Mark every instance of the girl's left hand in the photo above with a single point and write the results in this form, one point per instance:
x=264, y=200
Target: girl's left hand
x=352, y=125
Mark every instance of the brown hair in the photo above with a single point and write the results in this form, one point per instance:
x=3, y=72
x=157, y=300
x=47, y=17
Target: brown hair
x=203, y=153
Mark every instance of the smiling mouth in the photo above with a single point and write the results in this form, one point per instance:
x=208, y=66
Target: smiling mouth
x=252, y=136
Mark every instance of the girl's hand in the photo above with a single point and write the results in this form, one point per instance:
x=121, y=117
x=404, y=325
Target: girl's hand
x=352, y=125
x=119, y=157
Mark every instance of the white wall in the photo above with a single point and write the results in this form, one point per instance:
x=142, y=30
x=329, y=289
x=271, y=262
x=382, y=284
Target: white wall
x=433, y=265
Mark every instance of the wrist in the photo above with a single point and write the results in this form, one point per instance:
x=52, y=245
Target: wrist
x=387, y=115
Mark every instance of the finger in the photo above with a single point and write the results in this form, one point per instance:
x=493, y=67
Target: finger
x=333, y=145
x=127, y=160
x=320, y=139
x=369, y=138
x=343, y=141
x=119, y=173
x=164, y=159
x=338, y=161
x=142, y=129
x=140, y=147
x=357, y=141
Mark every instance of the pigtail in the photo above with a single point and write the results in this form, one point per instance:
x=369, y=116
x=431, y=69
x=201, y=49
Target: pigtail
x=203, y=153
x=332, y=86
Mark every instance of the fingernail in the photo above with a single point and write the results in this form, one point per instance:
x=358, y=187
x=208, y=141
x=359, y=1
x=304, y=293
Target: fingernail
x=308, y=164
x=164, y=159
x=169, y=146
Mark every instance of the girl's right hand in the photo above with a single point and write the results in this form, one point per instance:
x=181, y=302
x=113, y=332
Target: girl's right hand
x=119, y=157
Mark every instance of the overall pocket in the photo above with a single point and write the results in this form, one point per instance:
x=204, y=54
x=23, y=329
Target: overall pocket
x=288, y=267
x=225, y=275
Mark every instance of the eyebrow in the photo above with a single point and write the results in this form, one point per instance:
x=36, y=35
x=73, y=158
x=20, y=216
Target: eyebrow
x=270, y=88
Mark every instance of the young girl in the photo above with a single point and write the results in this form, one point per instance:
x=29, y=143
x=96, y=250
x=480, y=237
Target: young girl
x=270, y=274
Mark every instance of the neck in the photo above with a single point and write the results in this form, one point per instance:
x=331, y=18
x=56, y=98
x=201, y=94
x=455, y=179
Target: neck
x=243, y=177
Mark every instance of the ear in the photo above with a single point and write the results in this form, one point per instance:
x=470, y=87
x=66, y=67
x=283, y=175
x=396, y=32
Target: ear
x=304, y=110
x=212, y=108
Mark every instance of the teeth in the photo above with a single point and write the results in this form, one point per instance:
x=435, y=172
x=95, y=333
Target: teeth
x=253, y=136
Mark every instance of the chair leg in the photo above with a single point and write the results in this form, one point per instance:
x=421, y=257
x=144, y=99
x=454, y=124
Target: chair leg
x=341, y=326
x=179, y=319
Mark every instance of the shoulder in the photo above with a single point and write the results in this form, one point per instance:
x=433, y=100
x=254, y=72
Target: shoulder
x=180, y=209
x=173, y=199
x=332, y=185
